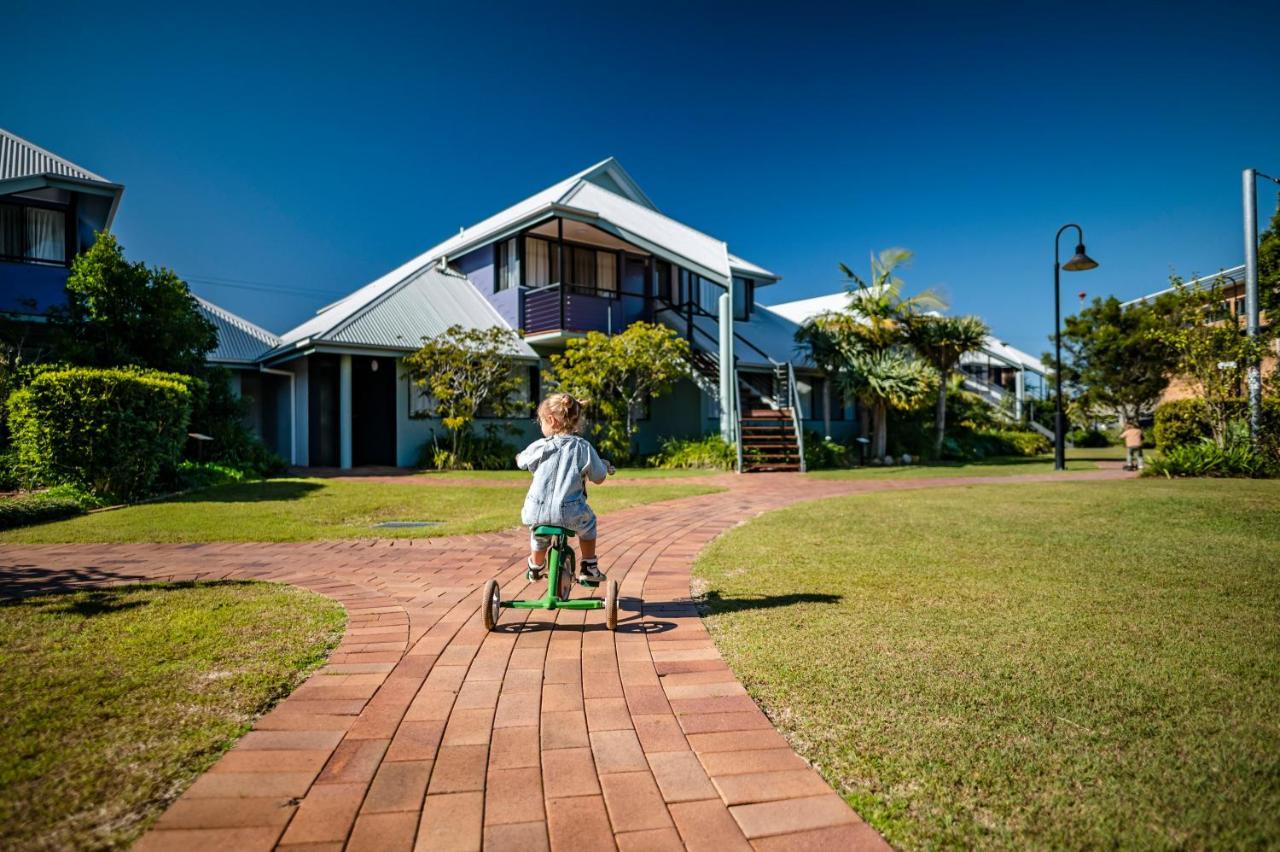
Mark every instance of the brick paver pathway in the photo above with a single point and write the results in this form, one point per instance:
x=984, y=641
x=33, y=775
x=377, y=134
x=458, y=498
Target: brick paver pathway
x=425, y=731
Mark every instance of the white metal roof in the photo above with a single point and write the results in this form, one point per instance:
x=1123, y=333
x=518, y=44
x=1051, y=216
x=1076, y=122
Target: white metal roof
x=20, y=158
x=591, y=194
x=239, y=341
x=803, y=310
x=1234, y=275
x=424, y=304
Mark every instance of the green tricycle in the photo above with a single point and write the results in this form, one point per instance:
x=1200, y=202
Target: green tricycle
x=560, y=579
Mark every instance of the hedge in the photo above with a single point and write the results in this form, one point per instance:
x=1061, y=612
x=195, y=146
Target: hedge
x=109, y=431
x=29, y=509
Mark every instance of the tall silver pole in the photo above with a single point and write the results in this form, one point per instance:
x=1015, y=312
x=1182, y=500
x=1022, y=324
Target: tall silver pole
x=1254, y=377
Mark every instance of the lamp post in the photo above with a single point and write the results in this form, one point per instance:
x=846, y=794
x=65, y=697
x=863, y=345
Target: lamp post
x=1078, y=263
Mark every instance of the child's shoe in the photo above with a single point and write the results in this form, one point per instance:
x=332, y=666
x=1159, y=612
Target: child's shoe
x=535, y=572
x=589, y=573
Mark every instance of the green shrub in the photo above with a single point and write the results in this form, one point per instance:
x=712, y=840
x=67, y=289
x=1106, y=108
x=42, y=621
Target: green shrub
x=711, y=452
x=486, y=451
x=1180, y=422
x=189, y=475
x=971, y=444
x=26, y=509
x=218, y=413
x=110, y=432
x=1206, y=458
x=821, y=452
x=1089, y=438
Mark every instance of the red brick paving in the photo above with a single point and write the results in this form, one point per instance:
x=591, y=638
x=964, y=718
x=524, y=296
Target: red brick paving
x=424, y=731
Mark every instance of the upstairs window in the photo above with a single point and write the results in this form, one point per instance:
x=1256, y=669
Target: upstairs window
x=665, y=284
x=33, y=234
x=540, y=262
x=744, y=290
x=508, y=262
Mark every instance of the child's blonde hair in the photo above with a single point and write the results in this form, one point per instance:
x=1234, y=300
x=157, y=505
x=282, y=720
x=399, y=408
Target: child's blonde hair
x=563, y=412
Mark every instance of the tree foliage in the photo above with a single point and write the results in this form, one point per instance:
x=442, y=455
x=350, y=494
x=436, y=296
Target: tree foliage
x=467, y=371
x=1269, y=267
x=1116, y=356
x=941, y=341
x=617, y=376
x=1210, y=351
x=126, y=314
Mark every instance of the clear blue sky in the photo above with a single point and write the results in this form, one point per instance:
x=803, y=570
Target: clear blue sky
x=315, y=147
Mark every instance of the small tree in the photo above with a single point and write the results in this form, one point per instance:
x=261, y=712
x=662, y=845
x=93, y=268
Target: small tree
x=1211, y=352
x=466, y=371
x=122, y=314
x=1116, y=358
x=617, y=375
x=941, y=341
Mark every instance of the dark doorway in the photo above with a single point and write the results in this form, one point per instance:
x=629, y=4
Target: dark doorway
x=323, y=410
x=373, y=411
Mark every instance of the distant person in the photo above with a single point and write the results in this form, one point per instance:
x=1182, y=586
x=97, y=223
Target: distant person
x=1132, y=446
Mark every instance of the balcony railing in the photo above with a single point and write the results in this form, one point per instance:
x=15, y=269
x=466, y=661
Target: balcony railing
x=555, y=308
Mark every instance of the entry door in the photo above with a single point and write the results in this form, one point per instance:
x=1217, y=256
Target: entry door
x=373, y=411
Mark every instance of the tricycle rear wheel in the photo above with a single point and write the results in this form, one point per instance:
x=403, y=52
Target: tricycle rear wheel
x=491, y=604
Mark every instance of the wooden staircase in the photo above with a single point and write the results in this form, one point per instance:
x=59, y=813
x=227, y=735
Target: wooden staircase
x=769, y=440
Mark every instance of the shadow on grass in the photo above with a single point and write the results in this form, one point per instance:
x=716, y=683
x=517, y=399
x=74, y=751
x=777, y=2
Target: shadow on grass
x=715, y=603
x=264, y=491
x=51, y=589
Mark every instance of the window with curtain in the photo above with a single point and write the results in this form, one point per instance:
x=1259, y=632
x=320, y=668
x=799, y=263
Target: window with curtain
x=537, y=262
x=582, y=266
x=607, y=273
x=33, y=234
x=508, y=261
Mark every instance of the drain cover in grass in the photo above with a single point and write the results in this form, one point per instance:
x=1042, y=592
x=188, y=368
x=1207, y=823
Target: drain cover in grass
x=397, y=525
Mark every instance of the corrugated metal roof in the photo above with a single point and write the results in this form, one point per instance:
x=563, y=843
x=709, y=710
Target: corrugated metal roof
x=239, y=341
x=426, y=304
x=1234, y=275
x=631, y=213
x=1002, y=351
x=20, y=158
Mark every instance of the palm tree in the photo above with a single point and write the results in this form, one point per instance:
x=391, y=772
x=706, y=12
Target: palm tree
x=941, y=341
x=865, y=347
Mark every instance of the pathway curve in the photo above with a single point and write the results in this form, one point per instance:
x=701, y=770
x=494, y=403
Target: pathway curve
x=425, y=731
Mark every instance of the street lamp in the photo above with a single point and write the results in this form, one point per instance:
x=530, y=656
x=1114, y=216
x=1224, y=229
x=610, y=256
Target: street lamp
x=1078, y=263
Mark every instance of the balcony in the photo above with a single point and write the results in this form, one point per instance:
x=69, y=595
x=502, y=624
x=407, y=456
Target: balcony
x=548, y=314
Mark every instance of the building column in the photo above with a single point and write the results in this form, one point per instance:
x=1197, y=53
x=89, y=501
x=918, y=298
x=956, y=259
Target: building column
x=726, y=368
x=344, y=411
x=1021, y=380
x=826, y=406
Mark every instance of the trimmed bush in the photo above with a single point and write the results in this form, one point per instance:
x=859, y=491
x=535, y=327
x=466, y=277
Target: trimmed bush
x=1089, y=438
x=110, y=432
x=711, y=453
x=821, y=452
x=26, y=509
x=484, y=451
x=1180, y=422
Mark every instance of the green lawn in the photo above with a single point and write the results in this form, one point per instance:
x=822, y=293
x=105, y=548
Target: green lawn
x=310, y=509
x=1077, y=459
x=114, y=701
x=623, y=473
x=1078, y=665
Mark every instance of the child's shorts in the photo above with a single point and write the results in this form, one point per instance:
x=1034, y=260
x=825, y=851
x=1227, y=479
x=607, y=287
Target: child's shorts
x=586, y=530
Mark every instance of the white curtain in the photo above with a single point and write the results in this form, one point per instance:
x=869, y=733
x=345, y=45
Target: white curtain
x=537, y=258
x=607, y=271
x=46, y=238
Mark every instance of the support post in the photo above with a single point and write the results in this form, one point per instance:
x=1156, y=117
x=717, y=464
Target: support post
x=560, y=263
x=1254, y=374
x=344, y=411
x=1021, y=395
x=826, y=407
x=726, y=367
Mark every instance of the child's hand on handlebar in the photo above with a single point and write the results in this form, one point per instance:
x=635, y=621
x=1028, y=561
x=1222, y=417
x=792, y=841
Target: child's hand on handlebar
x=608, y=466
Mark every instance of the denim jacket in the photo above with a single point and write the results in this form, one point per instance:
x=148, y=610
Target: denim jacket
x=560, y=465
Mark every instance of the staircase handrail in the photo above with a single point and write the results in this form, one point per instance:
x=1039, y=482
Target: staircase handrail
x=795, y=412
x=737, y=421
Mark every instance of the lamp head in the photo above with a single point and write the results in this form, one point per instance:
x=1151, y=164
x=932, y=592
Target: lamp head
x=1080, y=262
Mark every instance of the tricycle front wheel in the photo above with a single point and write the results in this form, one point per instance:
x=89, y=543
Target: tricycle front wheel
x=611, y=605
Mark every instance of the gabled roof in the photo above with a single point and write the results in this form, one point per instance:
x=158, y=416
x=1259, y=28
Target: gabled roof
x=239, y=341
x=603, y=195
x=20, y=158
x=1007, y=354
x=424, y=304
x=25, y=166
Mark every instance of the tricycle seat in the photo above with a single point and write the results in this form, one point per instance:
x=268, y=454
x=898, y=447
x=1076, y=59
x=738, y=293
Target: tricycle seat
x=545, y=529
